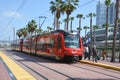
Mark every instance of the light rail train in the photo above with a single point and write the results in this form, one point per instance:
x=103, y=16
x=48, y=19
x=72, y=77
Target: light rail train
x=58, y=44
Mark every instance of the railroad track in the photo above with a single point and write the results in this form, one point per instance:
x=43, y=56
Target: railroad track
x=44, y=77
x=78, y=66
x=56, y=70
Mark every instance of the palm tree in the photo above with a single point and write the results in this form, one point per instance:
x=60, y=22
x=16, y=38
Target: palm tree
x=79, y=16
x=107, y=3
x=94, y=28
x=56, y=9
x=79, y=29
x=31, y=26
x=71, y=19
x=115, y=27
x=49, y=28
x=91, y=15
x=19, y=33
x=85, y=27
x=69, y=6
x=38, y=31
x=65, y=23
x=24, y=31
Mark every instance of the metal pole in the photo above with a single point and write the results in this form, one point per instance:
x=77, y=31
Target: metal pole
x=39, y=22
x=40, y=25
x=14, y=33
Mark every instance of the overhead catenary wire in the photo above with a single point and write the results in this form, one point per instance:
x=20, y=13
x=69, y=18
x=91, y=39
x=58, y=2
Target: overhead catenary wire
x=86, y=3
x=12, y=18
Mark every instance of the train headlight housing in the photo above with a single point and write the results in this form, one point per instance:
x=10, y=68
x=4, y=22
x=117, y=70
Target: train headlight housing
x=73, y=52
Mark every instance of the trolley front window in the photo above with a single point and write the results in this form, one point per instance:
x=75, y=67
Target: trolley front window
x=72, y=41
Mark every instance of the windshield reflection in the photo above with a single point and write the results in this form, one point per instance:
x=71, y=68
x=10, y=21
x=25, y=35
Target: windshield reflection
x=72, y=41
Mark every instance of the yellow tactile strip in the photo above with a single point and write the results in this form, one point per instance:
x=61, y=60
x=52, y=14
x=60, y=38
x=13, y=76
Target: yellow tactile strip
x=19, y=72
x=101, y=65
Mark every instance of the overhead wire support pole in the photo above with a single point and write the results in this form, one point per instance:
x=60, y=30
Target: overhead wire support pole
x=40, y=25
x=13, y=33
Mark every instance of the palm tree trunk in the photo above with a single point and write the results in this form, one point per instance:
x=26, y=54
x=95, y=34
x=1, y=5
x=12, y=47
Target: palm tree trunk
x=67, y=22
x=94, y=36
x=119, y=42
x=119, y=35
x=91, y=30
x=71, y=26
x=57, y=23
x=54, y=21
x=106, y=31
x=79, y=25
x=114, y=35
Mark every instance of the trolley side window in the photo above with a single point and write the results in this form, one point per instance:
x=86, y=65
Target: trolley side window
x=52, y=43
x=59, y=42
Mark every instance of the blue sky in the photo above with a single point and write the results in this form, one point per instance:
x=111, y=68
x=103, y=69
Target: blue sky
x=17, y=13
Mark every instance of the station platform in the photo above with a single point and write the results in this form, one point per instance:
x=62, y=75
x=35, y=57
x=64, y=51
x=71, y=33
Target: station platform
x=11, y=70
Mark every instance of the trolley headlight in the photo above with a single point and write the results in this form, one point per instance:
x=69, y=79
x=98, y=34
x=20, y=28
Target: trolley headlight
x=73, y=52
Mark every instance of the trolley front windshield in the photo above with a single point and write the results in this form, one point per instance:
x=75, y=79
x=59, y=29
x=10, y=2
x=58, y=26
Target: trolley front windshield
x=72, y=41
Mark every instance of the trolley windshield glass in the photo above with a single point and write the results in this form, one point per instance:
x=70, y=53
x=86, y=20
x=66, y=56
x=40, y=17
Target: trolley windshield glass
x=72, y=41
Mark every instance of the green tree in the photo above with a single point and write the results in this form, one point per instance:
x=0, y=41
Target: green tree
x=49, y=28
x=24, y=31
x=19, y=33
x=85, y=28
x=69, y=6
x=80, y=16
x=56, y=8
x=91, y=15
x=31, y=26
x=107, y=3
x=94, y=28
x=79, y=28
x=115, y=27
x=38, y=31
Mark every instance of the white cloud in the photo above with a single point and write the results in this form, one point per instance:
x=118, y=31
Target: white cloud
x=13, y=14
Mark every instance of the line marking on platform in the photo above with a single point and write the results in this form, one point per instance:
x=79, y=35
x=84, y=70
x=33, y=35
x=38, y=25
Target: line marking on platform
x=18, y=71
x=8, y=70
x=101, y=65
